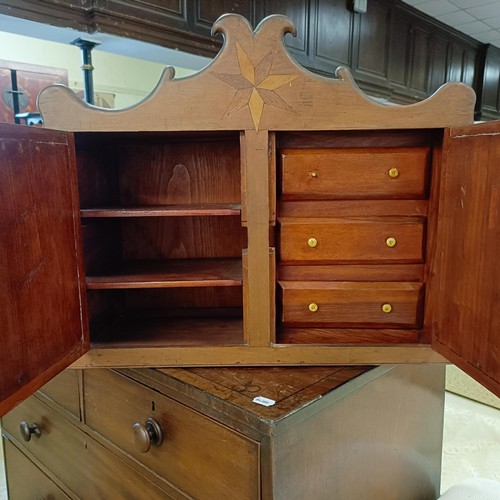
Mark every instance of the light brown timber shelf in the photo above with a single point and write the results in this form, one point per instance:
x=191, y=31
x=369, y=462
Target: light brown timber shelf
x=171, y=274
x=184, y=210
x=171, y=331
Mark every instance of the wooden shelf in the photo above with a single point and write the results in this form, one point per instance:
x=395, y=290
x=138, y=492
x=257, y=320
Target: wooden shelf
x=171, y=274
x=171, y=331
x=184, y=210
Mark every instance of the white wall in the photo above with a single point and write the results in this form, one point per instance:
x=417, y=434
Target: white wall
x=128, y=78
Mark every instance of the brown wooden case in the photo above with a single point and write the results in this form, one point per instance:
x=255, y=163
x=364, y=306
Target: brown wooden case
x=253, y=214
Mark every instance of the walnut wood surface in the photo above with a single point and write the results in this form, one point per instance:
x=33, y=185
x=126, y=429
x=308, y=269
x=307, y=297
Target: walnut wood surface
x=83, y=465
x=466, y=273
x=198, y=455
x=356, y=240
x=171, y=273
x=186, y=210
x=40, y=288
x=346, y=336
x=346, y=304
x=353, y=173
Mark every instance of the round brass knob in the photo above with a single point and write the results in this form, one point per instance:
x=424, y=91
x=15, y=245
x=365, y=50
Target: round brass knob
x=146, y=435
x=391, y=242
x=393, y=173
x=312, y=242
x=314, y=174
x=313, y=307
x=387, y=308
x=28, y=430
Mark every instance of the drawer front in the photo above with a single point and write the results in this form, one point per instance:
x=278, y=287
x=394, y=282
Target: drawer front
x=25, y=480
x=199, y=456
x=87, y=468
x=63, y=390
x=346, y=304
x=352, y=240
x=354, y=173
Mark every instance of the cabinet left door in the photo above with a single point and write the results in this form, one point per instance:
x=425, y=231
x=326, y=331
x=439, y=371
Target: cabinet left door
x=43, y=325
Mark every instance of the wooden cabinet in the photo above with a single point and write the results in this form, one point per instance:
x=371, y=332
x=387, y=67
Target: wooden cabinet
x=327, y=431
x=268, y=216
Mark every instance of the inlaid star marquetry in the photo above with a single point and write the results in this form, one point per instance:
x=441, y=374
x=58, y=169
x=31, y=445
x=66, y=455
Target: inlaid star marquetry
x=256, y=86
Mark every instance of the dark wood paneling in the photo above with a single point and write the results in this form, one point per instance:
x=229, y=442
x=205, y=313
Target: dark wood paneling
x=332, y=40
x=420, y=61
x=438, y=63
x=489, y=104
x=399, y=49
x=299, y=12
x=373, y=42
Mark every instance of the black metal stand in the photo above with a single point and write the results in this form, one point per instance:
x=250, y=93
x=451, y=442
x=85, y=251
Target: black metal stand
x=88, y=83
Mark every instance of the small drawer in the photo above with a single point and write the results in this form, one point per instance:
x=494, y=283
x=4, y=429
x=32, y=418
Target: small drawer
x=86, y=467
x=64, y=391
x=352, y=240
x=356, y=305
x=354, y=173
x=199, y=456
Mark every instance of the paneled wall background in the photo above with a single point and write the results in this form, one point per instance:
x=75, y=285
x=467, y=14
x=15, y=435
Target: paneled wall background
x=394, y=51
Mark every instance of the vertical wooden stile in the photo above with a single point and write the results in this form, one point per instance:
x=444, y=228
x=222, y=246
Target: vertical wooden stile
x=258, y=308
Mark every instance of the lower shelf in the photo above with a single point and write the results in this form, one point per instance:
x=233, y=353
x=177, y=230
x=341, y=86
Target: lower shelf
x=166, y=332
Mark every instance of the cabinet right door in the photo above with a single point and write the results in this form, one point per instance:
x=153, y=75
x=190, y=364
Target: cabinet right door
x=465, y=279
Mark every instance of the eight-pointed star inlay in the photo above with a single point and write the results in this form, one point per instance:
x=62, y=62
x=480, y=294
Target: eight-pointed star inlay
x=256, y=85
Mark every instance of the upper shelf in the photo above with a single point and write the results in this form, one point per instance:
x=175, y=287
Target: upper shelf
x=254, y=84
x=185, y=210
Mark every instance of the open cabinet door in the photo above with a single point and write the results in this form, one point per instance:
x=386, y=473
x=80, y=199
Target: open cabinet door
x=465, y=281
x=42, y=329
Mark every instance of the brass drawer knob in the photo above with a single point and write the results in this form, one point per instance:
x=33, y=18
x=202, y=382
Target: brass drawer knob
x=28, y=430
x=314, y=174
x=146, y=435
x=313, y=307
x=312, y=242
x=390, y=242
x=393, y=173
x=386, y=308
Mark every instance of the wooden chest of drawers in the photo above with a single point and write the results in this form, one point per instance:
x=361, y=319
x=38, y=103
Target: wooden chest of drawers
x=197, y=433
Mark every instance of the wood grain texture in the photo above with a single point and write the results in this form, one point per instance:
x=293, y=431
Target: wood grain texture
x=172, y=273
x=355, y=240
x=354, y=173
x=346, y=304
x=277, y=354
x=40, y=286
x=63, y=448
x=198, y=455
x=348, y=336
x=343, y=272
x=466, y=275
x=222, y=95
x=18, y=468
x=186, y=210
x=352, y=208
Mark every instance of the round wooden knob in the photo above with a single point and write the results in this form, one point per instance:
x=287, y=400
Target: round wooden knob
x=391, y=242
x=312, y=242
x=147, y=435
x=387, y=308
x=393, y=173
x=28, y=430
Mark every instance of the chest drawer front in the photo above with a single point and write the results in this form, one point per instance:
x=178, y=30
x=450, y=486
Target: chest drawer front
x=199, y=456
x=64, y=391
x=354, y=173
x=18, y=469
x=87, y=468
x=346, y=304
x=352, y=240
